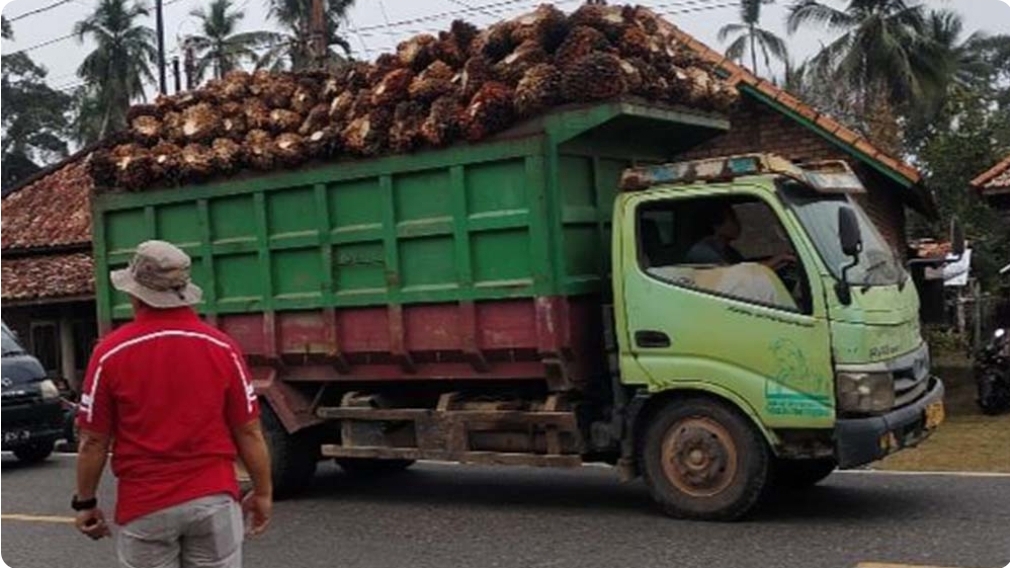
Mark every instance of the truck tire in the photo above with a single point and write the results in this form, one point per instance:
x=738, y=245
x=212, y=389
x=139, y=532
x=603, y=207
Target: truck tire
x=367, y=467
x=34, y=452
x=702, y=460
x=800, y=474
x=293, y=457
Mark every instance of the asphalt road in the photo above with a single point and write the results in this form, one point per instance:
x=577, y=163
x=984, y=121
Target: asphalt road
x=454, y=516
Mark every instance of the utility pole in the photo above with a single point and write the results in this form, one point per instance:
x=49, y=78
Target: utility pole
x=188, y=63
x=160, y=21
x=318, y=26
x=176, y=73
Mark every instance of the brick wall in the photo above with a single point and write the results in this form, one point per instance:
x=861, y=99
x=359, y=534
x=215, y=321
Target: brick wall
x=756, y=127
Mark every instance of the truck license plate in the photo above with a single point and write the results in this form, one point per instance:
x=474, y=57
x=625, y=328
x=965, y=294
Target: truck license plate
x=935, y=414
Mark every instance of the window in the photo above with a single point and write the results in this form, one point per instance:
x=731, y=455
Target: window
x=731, y=246
x=46, y=345
x=85, y=336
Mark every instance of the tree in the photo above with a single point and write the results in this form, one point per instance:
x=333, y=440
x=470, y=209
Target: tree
x=876, y=54
x=293, y=48
x=978, y=136
x=219, y=48
x=120, y=63
x=35, y=116
x=751, y=36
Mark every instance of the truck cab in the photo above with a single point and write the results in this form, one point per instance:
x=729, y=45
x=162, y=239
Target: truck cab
x=763, y=324
x=33, y=416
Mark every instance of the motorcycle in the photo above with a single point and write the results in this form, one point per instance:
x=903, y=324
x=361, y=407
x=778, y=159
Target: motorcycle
x=992, y=374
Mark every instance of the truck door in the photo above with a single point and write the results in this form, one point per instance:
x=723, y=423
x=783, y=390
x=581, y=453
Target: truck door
x=721, y=308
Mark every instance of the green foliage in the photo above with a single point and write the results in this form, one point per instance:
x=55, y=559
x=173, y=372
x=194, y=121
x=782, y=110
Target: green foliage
x=944, y=342
x=293, y=48
x=119, y=65
x=972, y=136
x=35, y=116
x=219, y=49
x=750, y=36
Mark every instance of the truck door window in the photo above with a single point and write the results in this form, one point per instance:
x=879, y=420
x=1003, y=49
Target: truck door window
x=729, y=246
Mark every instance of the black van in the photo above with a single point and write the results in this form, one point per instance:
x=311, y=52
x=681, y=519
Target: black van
x=32, y=415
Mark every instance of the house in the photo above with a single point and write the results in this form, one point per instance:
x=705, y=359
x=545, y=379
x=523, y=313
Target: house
x=48, y=285
x=769, y=119
x=994, y=186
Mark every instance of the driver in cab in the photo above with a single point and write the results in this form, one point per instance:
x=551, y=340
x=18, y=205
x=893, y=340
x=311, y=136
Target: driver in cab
x=735, y=275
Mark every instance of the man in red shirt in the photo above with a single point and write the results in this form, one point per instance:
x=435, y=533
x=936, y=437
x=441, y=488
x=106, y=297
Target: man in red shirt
x=173, y=397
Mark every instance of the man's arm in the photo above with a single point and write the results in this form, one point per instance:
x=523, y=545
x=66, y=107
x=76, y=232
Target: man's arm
x=92, y=453
x=252, y=450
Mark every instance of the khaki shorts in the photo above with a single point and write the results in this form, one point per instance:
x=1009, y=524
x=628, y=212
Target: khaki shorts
x=203, y=533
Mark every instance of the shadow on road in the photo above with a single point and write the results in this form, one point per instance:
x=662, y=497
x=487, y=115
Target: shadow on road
x=841, y=499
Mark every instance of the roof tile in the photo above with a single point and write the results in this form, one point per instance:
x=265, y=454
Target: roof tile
x=844, y=134
x=997, y=177
x=51, y=212
x=49, y=276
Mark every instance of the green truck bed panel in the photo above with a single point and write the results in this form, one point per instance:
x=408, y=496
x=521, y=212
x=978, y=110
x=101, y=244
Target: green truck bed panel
x=524, y=215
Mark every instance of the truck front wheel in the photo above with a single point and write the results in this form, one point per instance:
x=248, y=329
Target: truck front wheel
x=702, y=460
x=293, y=457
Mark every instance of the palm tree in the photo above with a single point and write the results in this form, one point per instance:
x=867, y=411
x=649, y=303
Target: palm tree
x=956, y=62
x=116, y=69
x=219, y=48
x=294, y=47
x=750, y=36
x=876, y=53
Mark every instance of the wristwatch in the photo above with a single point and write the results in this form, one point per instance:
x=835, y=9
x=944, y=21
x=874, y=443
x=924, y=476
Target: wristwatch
x=84, y=505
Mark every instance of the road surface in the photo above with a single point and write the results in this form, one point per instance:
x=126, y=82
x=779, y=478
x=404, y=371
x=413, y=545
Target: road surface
x=443, y=516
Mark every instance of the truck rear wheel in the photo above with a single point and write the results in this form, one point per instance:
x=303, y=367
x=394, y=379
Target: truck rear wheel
x=34, y=452
x=799, y=474
x=368, y=467
x=293, y=457
x=702, y=460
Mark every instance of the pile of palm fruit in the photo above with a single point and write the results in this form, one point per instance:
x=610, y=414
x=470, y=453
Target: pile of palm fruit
x=465, y=84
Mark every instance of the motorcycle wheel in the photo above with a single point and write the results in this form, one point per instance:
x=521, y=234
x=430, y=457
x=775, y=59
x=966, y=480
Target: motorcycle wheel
x=993, y=395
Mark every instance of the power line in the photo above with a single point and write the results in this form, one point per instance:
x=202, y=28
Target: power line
x=43, y=44
x=39, y=10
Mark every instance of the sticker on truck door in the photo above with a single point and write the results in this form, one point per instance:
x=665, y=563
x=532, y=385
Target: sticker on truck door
x=794, y=389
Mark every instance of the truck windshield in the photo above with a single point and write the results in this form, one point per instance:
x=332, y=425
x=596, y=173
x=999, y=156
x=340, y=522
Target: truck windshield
x=10, y=345
x=818, y=212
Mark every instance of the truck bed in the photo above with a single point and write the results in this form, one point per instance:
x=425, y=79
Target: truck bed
x=475, y=262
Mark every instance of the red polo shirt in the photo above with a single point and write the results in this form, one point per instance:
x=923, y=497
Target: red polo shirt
x=168, y=388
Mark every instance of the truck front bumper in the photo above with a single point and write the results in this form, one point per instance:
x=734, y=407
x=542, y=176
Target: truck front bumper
x=859, y=441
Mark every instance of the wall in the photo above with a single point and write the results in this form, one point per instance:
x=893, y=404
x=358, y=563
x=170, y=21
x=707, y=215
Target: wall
x=757, y=127
x=72, y=330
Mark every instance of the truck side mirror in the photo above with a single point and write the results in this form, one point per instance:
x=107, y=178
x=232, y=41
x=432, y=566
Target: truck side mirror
x=956, y=238
x=848, y=232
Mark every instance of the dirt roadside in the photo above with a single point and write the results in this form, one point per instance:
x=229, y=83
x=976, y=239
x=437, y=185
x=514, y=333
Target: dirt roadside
x=968, y=440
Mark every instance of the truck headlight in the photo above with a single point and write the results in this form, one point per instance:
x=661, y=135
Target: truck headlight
x=865, y=392
x=49, y=390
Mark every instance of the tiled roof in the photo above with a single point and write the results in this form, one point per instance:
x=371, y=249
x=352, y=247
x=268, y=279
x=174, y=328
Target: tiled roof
x=50, y=276
x=996, y=178
x=843, y=135
x=53, y=211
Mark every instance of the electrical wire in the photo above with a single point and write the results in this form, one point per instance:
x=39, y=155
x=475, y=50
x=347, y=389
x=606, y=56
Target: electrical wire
x=56, y=4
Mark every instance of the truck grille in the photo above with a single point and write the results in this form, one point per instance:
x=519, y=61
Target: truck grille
x=911, y=378
x=908, y=388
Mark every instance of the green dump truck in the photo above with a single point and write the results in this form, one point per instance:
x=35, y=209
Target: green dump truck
x=553, y=296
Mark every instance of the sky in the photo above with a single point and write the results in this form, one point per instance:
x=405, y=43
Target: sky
x=376, y=26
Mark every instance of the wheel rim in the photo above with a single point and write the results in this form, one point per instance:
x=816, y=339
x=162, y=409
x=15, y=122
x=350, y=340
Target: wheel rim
x=699, y=457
